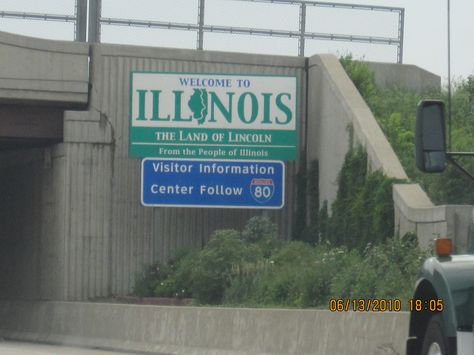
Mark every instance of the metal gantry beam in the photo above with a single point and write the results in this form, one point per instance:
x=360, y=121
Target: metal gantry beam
x=330, y=4
x=80, y=25
x=95, y=10
x=337, y=37
x=200, y=33
x=37, y=16
x=401, y=31
x=248, y=31
x=96, y=20
x=301, y=42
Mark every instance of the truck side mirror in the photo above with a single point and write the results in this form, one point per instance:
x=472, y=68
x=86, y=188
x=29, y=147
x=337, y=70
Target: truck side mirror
x=430, y=137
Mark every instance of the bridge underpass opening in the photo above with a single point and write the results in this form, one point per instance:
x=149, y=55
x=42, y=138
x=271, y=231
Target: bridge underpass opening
x=28, y=135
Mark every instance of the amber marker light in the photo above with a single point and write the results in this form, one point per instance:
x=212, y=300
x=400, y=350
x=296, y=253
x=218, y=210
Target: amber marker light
x=443, y=247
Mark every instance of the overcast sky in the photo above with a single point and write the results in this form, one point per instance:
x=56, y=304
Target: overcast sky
x=425, y=28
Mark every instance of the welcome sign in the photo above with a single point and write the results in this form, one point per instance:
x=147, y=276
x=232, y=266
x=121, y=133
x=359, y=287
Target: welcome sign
x=213, y=116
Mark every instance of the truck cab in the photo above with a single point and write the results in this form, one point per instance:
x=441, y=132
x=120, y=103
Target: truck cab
x=442, y=307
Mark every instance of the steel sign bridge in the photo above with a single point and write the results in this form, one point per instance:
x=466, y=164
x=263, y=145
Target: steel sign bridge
x=89, y=30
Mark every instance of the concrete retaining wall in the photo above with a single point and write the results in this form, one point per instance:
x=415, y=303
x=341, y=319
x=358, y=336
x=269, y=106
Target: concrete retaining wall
x=404, y=76
x=206, y=331
x=414, y=212
x=335, y=107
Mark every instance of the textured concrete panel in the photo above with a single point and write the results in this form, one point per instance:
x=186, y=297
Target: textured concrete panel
x=35, y=69
x=87, y=127
x=140, y=235
x=87, y=245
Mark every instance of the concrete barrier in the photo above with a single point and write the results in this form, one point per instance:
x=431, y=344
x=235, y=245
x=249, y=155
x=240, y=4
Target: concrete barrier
x=205, y=330
x=414, y=212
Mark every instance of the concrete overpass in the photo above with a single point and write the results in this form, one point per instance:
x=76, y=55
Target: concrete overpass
x=39, y=80
x=72, y=227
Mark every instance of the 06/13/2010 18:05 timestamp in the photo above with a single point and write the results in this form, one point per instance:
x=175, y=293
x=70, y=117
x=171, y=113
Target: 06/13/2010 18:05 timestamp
x=385, y=305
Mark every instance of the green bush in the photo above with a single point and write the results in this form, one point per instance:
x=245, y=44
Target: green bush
x=385, y=270
x=206, y=274
x=178, y=281
x=212, y=271
x=156, y=279
x=147, y=281
x=252, y=268
x=363, y=210
x=300, y=275
x=361, y=75
x=279, y=281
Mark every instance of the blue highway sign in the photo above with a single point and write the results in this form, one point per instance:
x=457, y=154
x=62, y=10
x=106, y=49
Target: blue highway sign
x=213, y=183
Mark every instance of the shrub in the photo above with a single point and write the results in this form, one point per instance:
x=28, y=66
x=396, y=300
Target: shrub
x=363, y=210
x=155, y=279
x=385, y=270
x=212, y=270
x=259, y=229
x=235, y=270
x=178, y=282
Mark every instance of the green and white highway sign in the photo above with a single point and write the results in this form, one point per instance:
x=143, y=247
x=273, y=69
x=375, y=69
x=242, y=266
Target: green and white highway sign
x=213, y=116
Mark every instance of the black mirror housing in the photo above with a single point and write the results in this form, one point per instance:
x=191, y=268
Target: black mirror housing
x=430, y=137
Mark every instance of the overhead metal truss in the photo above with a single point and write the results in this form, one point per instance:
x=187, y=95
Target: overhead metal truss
x=96, y=20
x=37, y=16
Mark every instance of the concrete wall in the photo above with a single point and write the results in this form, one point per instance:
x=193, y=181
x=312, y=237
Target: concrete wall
x=209, y=331
x=53, y=72
x=414, y=212
x=404, y=76
x=334, y=107
x=141, y=235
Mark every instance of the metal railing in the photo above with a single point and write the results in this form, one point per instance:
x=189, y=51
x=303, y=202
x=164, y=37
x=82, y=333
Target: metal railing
x=91, y=31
